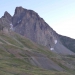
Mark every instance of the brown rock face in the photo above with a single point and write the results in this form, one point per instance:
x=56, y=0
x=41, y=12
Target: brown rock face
x=29, y=24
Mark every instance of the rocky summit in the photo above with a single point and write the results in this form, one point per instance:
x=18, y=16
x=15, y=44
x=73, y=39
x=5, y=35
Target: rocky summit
x=29, y=24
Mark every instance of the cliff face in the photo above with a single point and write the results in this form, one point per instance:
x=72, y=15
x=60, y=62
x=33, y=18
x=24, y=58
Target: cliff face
x=29, y=24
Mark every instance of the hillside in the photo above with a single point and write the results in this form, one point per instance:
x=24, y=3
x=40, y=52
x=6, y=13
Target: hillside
x=20, y=56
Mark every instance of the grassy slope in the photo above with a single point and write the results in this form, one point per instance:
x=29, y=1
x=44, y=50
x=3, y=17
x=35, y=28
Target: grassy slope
x=14, y=59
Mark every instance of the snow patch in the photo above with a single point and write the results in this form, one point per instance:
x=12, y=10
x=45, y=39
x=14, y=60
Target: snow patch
x=19, y=21
x=55, y=41
x=51, y=49
x=11, y=26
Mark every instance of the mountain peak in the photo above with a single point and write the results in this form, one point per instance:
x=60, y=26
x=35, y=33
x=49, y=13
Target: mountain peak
x=19, y=10
x=6, y=13
x=29, y=24
x=20, y=7
x=7, y=16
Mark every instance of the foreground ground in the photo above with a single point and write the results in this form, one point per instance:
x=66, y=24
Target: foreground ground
x=20, y=56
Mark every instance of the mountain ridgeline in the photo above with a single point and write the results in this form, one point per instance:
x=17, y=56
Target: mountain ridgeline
x=30, y=25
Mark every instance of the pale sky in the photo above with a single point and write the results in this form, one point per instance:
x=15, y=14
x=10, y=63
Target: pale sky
x=59, y=14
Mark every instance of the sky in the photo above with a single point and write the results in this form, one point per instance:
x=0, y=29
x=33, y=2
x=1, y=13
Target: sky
x=59, y=14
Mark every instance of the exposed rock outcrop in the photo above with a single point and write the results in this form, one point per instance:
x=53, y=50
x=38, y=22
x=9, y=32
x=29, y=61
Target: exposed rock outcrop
x=29, y=24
